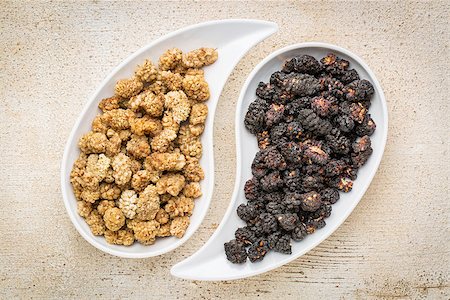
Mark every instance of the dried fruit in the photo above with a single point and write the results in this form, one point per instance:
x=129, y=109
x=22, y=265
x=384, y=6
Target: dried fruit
x=312, y=126
x=139, y=172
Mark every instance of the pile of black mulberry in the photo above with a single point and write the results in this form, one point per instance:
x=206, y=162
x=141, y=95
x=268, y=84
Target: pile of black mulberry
x=312, y=125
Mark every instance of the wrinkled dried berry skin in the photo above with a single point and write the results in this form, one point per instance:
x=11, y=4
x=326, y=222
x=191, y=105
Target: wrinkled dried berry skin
x=247, y=212
x=292, y=153
x=305, y=64
x=245, y=235
x=277, y=196
x=312, y=183
x=235, y=252
x=296, y=84
x=359, y=90
x=337, y=142
x=349, y=76
x=266, y=91
x=278, y=134
x=299, y=232
x=344, y=123
x=292, y=179
x=283, y=245
x=287, y=221
x=294, y=131
x=313, y=128
x=359, y=159
x=310, y=201
x=275, y=208
x=329, y=195
x=316, y=154
x=324, y=107
x=256, y=116
x=367, y=127
x=267, y=222
x=312, y=122
x=293, y=107
x=335, y=167
x=252, y=189
x=334, y=65
x=258, y=250
x=271, y=182
x=274, y=115
x=266, y=160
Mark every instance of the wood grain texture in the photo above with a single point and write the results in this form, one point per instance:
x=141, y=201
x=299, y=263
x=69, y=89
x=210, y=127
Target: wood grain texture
x=396, y=244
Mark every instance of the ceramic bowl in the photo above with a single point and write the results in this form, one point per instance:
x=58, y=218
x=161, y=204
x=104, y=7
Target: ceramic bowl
x=210, y=263
x=232, y=39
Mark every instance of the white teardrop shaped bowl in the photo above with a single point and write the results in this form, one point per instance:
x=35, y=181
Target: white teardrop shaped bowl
x=232, y=39
x=210, y=263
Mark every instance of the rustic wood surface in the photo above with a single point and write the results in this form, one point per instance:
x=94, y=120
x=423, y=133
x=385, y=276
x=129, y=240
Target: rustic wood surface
x=396, y=243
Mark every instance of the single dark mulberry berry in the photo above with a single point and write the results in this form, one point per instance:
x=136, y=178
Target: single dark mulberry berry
x=349, y=76
x=274, y=115
x=271, y=182
x=335, y=167
x=265, y=91
x=312, y=183
x=292, y=153
x=294, y=130
x=299, y=232
x=258, y=250
x=287, y=221
x=316, y=154
x=247, y=212
x=292, y=108
x=283, y=245
x=235, y=252
x=252, y=189
x=312, y=122
x=359, y=159
x=292, y=179
x=299, y=84
x=367, y=127
x=310, y=201
x=245, y=235
x=302, y=64
x=344, y=123
x=255, y=117
x=359, y=90
x=267, y=222
x=324, y=107
x=329, y=195
x=274, y=208
x=278, y=134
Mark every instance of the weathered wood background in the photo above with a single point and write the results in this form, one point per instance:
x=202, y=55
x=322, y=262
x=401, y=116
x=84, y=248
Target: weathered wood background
x=395, y=244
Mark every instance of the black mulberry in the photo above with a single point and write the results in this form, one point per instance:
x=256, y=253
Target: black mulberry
x=359, y=90
x=310, y=201
x=367, y=127
x=302, y=64
x=258, y=250
x=312, y=122
x=287, y=221
x=329, y=195
x=235, y=252
x=255, y=117
x=247, y=212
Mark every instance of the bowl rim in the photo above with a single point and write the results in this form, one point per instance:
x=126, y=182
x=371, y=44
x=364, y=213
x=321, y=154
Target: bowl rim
x=64, y=167
x=238, y=123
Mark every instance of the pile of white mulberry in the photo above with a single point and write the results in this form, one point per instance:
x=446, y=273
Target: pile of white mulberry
x=312, y=125
x=138, y=172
